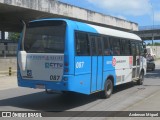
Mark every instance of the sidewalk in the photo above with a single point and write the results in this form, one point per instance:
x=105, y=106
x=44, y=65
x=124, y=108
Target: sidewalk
x=8, y=82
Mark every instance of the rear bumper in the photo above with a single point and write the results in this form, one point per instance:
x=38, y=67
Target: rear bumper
x=57, y=86
x=80, y=84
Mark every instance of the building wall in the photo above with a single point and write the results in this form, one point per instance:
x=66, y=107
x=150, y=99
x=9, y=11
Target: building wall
x=156, y=50
x=5, y=63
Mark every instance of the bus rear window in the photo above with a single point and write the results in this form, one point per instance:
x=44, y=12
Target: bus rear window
x=45, y=37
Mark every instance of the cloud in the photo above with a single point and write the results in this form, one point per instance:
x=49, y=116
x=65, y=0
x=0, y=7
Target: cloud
x=124, y=7
x=157, y=16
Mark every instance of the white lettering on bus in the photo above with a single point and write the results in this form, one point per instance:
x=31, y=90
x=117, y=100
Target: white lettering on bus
x=79, y=64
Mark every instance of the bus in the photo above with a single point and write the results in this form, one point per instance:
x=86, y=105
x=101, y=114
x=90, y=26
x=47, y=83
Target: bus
x=70, y=56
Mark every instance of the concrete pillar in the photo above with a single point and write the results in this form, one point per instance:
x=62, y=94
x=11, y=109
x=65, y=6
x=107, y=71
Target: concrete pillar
x=3, y=38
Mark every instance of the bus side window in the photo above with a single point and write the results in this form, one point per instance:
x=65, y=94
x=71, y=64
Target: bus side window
x=129, y=51
x=125, y=47
x=99, y=42
x=107, y=47
x=82, y=44
x=141, y=48
x=93, y=46
x=137, y=49
x=133, y=46
x=115, y=42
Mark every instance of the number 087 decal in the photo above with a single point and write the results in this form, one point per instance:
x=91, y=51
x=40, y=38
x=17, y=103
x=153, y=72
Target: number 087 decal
x=54, y=77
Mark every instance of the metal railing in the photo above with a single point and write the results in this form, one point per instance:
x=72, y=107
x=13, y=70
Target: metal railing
x=152, y=27
x=8, y=50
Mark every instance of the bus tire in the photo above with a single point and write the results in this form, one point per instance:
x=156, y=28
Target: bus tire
x=108, y=89
x=141, y=79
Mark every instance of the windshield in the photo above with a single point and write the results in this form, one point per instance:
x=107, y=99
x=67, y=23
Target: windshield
x=45, y=37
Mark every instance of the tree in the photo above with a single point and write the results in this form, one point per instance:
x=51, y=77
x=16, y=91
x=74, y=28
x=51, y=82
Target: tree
x=148, y=44
x=13, y=36
x=157, y=44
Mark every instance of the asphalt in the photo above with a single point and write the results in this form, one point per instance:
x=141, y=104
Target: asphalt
x=8, y=82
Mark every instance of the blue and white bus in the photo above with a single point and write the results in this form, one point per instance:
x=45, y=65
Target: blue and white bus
x=66, y=55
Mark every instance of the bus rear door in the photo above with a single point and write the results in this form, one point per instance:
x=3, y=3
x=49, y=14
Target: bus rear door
x=96, y=63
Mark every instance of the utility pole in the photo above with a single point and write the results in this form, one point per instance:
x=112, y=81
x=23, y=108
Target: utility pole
x=152, y=26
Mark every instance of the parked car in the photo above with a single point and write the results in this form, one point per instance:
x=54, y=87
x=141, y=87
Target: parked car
x=150, y=63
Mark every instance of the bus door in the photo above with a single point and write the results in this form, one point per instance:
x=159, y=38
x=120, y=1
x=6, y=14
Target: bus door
x=138, y=58
x=136, y=63
x=96, y=63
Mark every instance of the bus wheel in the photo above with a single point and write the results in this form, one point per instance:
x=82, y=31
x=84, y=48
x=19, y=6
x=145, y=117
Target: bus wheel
x=141, y=79
x=108, y=89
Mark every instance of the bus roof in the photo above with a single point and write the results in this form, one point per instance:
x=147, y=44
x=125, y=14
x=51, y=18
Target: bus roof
x=115, y=33
x=98, y=29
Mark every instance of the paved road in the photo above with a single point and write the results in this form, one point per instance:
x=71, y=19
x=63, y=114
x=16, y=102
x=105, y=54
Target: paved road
x=125, y=98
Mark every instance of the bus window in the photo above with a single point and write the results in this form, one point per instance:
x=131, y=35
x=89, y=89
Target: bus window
x=115, y=43
x=138, y=53
x=125, y=47
x=137, y=49
x=128, y=45
x=93, y=46
x=133, y=46
x=82, y=44
x=45, y=37
x=141, y=48
x=99, y=42
x=107, y=47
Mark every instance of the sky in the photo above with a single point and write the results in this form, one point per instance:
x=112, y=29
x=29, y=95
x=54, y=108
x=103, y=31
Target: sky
x=143, y=12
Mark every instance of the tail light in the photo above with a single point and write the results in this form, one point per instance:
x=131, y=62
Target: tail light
x=66, y=64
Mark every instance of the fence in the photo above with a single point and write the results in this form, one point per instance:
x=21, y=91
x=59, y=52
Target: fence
x=8, y=50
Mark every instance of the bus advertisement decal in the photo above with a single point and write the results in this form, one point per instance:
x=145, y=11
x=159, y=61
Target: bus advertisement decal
x=42, y=66
x=114, y=62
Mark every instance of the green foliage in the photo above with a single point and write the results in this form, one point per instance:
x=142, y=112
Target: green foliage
x=149, y=44
x=13, y=36
x=154, y=44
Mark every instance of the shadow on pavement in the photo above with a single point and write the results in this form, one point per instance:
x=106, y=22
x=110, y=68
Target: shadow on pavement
x=123, y=87
x=48, y=102
x=54, y=102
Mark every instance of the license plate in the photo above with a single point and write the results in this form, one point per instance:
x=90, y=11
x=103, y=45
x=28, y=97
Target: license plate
x=40, y=86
